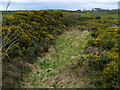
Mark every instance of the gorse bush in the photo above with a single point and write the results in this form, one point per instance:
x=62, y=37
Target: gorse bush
x=25, y=36
x=104, y=60
x=28, y=34
x=26, y=29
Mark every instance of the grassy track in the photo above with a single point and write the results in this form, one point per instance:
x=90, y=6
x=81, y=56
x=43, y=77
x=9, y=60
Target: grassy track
x=54, y=69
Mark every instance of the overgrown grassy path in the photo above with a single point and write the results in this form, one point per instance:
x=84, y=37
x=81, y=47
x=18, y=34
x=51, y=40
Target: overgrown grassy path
x=55, y=70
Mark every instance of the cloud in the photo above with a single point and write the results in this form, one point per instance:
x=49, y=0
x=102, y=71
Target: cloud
x=59, y=5
x=104, y=5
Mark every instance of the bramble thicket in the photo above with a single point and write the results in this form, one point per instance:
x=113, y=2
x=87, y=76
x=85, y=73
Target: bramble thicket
x=28, y=34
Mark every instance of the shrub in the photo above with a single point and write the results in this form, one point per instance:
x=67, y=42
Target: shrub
x=29, y=28
x=98, y=17
x=111, y=75
x=104, y=61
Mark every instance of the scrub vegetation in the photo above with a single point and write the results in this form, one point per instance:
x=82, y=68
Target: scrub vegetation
x=60, y=49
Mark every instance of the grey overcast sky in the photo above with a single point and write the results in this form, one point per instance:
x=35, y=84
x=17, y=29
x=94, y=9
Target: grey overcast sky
x=58, y=4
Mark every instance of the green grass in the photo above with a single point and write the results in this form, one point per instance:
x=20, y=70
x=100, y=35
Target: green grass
x=102, y=15
x=8, y=13
x=53, y=70
x=89, y=14
x=79, y=13
x=109, y=15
